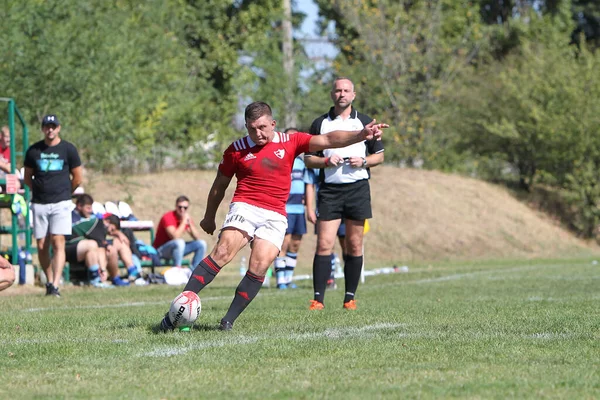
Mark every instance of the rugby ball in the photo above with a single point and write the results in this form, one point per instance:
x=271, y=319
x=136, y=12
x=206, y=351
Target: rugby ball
x=185, y=309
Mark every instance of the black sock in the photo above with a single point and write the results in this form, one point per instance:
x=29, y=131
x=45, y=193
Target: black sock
x=352, y=270
x=321, y=272
x=204, y=273
x=244, y=294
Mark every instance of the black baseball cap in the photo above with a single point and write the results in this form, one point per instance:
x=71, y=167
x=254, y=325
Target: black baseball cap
x=50, y=119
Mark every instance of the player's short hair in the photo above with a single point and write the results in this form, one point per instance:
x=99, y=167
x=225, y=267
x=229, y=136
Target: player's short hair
x=290, y=130
x=182, y=198
x=256, y=110
x=5, y=131
x=85, y=200
x=113, y=220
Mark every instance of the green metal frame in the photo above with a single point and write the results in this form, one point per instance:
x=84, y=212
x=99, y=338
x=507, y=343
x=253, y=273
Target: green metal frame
x=14, y=229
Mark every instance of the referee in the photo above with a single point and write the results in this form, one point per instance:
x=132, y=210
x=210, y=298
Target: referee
x=344, y=192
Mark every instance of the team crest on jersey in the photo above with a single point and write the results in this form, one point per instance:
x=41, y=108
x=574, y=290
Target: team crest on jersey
x=249, y=156
x=280, y=153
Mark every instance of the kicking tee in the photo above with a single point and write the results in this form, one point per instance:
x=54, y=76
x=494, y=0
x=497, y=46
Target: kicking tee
x=264, y=172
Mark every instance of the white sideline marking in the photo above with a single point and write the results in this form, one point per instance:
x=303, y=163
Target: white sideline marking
x=331, y=333
x=175, y=351
x=335, y=333
x=349, y=332
x=119, y=305
x=374, y=286
x=479, y=273
x=550, y=336
x=85, y=340
x=456, y=277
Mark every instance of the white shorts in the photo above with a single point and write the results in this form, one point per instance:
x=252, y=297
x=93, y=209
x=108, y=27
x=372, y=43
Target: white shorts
x=257, y=222
x=52, y=218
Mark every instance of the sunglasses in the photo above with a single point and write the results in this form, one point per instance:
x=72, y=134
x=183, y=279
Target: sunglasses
x=183, y=207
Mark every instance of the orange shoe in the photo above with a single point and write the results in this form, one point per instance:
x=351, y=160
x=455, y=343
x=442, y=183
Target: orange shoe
x=315, y=305
x=350, y=305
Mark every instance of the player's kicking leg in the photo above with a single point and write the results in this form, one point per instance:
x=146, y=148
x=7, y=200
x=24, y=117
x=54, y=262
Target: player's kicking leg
x=231, y=241
x=262, y=255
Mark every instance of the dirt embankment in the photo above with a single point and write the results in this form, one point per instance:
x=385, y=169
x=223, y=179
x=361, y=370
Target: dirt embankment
x=418, y=215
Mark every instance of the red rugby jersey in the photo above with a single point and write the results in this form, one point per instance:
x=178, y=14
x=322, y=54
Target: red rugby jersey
x=264, y=172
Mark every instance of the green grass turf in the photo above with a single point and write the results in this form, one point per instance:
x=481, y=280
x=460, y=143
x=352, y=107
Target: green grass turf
x=522, y=329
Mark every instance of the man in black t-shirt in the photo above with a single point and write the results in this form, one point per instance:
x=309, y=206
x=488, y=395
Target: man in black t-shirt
x=52, y=171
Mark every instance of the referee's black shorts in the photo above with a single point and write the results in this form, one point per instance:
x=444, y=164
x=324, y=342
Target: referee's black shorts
x=345, y=200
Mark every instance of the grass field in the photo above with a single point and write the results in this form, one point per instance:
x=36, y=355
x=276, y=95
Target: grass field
x=520, y=329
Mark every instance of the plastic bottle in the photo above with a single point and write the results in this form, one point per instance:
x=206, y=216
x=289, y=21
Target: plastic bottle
x=338, y=266
x=22, y=266
x=267, y=281
x=243, y=266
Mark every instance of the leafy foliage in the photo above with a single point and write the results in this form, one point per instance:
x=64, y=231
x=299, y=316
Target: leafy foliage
x=132, y=82
x=401, y=56
x=494, y=88
x=532, y=112
x=587, y=15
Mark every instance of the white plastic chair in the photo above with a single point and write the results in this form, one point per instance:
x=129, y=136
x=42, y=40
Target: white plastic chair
x=98, y=208
x=112, y=208
x=125, y=210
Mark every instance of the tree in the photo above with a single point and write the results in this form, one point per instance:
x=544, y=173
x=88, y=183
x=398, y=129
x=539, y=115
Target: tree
x=133, y=82
x=586, y=13
x=501, y=13
x=401, y=56
x=532, y=112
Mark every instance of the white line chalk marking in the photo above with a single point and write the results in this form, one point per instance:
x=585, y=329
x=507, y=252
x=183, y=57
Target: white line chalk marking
x=331, y=333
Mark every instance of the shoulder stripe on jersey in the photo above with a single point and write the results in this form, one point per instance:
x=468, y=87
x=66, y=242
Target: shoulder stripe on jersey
x=239, y=144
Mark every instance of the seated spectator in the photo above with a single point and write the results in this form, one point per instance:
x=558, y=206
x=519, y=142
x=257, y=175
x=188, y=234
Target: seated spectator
x=5, y=167
x=123, y=246
x=84, y=246
x=88, y=244
x=7, y=274
x=171, y=228
x=5, y=150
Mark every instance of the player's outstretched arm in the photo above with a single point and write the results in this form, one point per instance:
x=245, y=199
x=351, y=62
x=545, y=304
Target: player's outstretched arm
x=215, y=196
x=337, y=139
